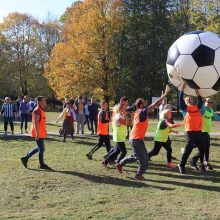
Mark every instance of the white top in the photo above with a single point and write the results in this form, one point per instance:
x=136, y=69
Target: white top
x=161, y=108
x=86, y=110
x=117, y=118
x=73, y=112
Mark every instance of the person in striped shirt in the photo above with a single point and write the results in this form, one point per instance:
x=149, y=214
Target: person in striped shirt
x=8, y=111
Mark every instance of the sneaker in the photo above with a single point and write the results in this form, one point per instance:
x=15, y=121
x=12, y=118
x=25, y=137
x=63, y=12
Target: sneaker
x=92, y=133
x=202, y=168
x=181, y=169
x=82, y=132
x=105, y=156
x=112, y=163
x=119, y=167
x=104, y=163
x=193, y=165
x=26, y=131
x=45, y=167
x=208, y=166
x=173, y=158
x=171, y=165
x=140, y=177
x=24, y=161
x=22, y=132
x=89, y=156
x=64, y=140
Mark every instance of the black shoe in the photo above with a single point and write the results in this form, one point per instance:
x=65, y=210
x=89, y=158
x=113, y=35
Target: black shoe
x=193, y=165
x=181, y=169
x=208, y=166
x=24, y=161
x=202, y=168
x=173, y=158
x=45, y=167
x=64, y=140
x=82, y=132
x=89, y=156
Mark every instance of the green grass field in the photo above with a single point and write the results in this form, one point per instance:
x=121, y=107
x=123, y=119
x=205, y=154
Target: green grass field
x=83, y=189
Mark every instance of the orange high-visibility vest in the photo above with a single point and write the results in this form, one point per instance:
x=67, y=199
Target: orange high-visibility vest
x=139, y=128
x=102, y=128
x=41, y=124
x=193, y=119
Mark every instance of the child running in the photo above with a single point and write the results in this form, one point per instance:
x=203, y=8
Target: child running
x=207, y=115
x=102, y=130
x=161, y=138
x=137, y=136
x=119, y=125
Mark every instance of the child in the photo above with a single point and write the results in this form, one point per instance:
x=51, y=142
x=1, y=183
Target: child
x=161, y=138
x=102, y=130
x=119, y=125
x=69, y=116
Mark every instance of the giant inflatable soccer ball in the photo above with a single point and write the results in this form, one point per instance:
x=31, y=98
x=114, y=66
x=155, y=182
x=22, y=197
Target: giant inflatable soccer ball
x=195, y=59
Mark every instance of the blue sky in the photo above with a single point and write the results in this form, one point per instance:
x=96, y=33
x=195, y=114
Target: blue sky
x=38, y=8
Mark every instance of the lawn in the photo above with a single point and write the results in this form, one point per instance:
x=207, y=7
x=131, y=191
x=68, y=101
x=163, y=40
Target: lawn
x=83, y=189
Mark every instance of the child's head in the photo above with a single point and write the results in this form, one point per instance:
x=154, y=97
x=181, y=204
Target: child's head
x=166, y=114
x=188, y=100
x=140, y=103
x=104, y=105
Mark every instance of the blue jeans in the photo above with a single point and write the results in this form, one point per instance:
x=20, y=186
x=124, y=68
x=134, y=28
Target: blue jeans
x=40, y=149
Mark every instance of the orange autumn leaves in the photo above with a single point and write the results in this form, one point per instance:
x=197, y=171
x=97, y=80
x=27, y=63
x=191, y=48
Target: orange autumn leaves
x=84, y=61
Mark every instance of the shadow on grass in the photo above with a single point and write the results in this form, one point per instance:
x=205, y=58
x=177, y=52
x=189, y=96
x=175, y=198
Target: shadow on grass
x=108, y=180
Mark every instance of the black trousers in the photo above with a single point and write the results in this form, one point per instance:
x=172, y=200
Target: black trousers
x=10, y=121
x=119, y=150
x=93, y=121
x=87, y=122
x=158, y=145
x=193, y=138
x=24, y=120
x=206, y=139
x=103, y=139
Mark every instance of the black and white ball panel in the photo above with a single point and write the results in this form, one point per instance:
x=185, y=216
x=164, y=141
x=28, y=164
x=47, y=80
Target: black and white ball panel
x=194, y=58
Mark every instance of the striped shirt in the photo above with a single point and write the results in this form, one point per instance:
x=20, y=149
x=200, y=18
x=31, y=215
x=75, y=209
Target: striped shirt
x=8, y=110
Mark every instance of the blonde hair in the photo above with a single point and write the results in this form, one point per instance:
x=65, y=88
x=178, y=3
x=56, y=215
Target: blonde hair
x=164, y=113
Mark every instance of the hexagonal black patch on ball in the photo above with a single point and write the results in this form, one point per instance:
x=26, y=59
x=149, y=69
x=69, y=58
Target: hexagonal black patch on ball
x=191, y=83
x=204, y=56
x=216, y=87
x=173, y=55
x=195, y=32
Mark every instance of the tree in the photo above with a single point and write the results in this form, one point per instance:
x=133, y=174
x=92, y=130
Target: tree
x=85, y=60
x=27, y=46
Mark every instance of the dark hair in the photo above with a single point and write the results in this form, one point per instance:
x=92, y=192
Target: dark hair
x=103, y=102
x=123, y=99
x=39, y=98
x=138, y=103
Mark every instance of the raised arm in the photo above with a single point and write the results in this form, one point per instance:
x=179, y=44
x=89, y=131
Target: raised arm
x=158, y=102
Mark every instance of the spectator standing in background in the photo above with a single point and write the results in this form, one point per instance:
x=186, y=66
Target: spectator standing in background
x=93, y=115
x=18, y=102
x=23, y=110
x=87, y=114
x=8, y=111
x=80, y=118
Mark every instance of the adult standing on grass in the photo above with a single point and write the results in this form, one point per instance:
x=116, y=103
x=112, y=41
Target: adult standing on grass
x=23, y=111
x=93, y=114
x=137, y=136
x=69, y=117
x=38, y=131
x=8, y=111
x=193, y=128
x=87, y=114
x=207, y=115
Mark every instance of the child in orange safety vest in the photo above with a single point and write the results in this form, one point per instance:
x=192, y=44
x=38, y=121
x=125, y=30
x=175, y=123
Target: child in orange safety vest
x=102, y=130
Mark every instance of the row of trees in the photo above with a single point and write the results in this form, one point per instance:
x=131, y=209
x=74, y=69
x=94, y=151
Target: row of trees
x=104, y=48
x=119, y=47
